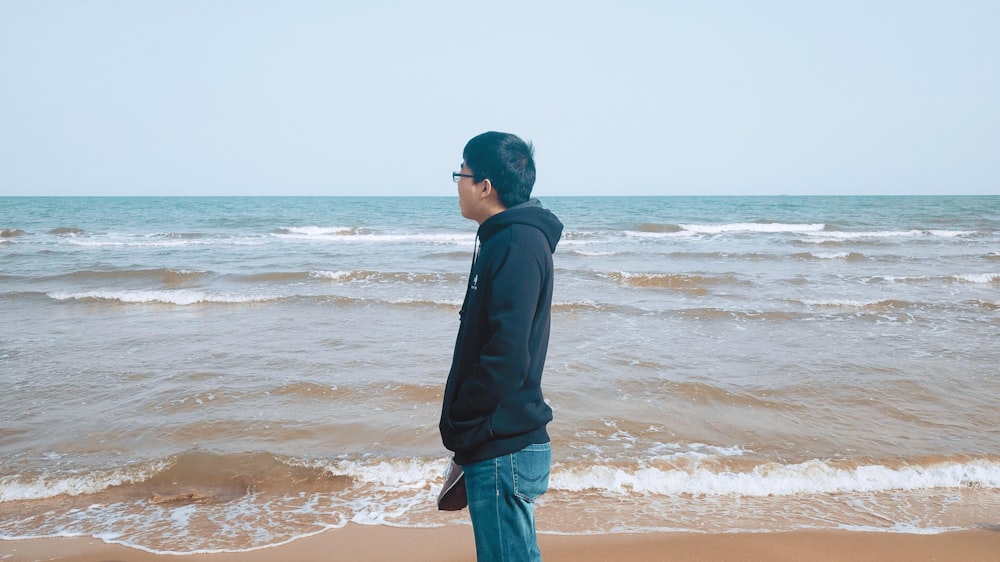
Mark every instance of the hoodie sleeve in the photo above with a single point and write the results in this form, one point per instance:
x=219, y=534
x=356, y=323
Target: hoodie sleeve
x=504, y=360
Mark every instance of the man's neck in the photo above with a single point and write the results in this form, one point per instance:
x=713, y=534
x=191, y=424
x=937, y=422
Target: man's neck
x=490, y=212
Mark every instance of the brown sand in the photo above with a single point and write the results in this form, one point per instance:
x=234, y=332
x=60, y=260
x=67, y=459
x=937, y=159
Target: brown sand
x=384, y=544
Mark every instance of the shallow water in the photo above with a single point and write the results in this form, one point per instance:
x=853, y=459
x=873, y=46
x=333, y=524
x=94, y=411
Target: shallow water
x=189, y=374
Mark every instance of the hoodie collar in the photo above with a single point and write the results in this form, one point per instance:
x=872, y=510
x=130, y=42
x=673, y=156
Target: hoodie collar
x=530, y=213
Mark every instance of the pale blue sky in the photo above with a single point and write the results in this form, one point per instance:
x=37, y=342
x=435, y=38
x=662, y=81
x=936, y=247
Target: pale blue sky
x=634, y=97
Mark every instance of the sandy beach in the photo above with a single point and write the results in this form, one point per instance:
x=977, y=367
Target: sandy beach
x=454, y=543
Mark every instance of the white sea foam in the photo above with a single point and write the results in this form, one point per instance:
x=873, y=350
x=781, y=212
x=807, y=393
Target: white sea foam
x=690, y=230
x=951, y=233
x=851, y=235
x=334, y=275
x=180, y=297
x=649, y=235
x=392, y=473
x=240, y=526
x=973, y=278
x=594, y=254
x=586, y=304
x=812, y=477
x=753, y=227
x=318, y=230
x=769, y=479
x=149, y=242
x=831, y=255
x=354, y=236
x=845, y=303
x=400, y=491
x=425, y=301
x=978, y=278
x=902, y=528
x=674, y=451
x=896, y=279
x=591, y=238
x=18, y=487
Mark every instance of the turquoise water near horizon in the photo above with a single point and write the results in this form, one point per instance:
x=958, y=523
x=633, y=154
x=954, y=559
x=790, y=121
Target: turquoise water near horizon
x=214, y=373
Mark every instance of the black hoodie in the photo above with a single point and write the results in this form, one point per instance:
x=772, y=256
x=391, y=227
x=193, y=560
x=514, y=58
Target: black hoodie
x=493, y=402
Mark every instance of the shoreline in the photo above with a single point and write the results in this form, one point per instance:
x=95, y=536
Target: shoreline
x=455, y=543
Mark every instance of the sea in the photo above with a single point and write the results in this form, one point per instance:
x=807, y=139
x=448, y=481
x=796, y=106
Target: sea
x=217, y=374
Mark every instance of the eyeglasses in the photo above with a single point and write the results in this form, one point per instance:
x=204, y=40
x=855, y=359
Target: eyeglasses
x=456, y=175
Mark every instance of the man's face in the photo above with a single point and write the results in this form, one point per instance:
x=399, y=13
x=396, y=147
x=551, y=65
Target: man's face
x=468, y=196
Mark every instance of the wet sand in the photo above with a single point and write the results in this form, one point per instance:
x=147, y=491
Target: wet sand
x=377, y=544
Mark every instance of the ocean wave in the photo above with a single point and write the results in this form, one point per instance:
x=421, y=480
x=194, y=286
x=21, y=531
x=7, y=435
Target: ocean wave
x=11, y=233
x=870, y=305
x=367, y=276
x=357, y=276
x=753, y=227
x=321, y=231
x=694, y=284
x=413, y=301
x=463, y=254
x=276, y=276
x=164, y=275
x=698, y=470
x=966, y=278
x=583, y=306
x=179, y=235
x=656, y=227
x=914, y=233
x=594, y=254
x=362, y=235
x=200, y=501
x=846, y=256
x=176, y=297
x=580, y=235
x=158, y=241
x=311, y=390
x=191, y=476
x=774, y=479
x=185, y=297
x=21, y=487
x=978, y=278
x=749, y=315
x=653, y=231
x=66, y=231
x=569, y=242
x=391, y=473
x=985, y=304
x=193, y=503
x=640, y=234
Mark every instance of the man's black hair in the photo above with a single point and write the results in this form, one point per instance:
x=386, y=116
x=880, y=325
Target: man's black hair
x=504, y=159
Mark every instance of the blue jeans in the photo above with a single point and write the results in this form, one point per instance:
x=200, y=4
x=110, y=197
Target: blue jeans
x=502, y=494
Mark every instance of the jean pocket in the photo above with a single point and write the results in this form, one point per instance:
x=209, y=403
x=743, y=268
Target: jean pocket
x=531, y=471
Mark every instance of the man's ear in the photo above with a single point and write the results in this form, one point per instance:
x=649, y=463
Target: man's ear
x=487, y=187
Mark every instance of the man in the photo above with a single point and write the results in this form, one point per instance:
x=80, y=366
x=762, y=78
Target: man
x=494, y=416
